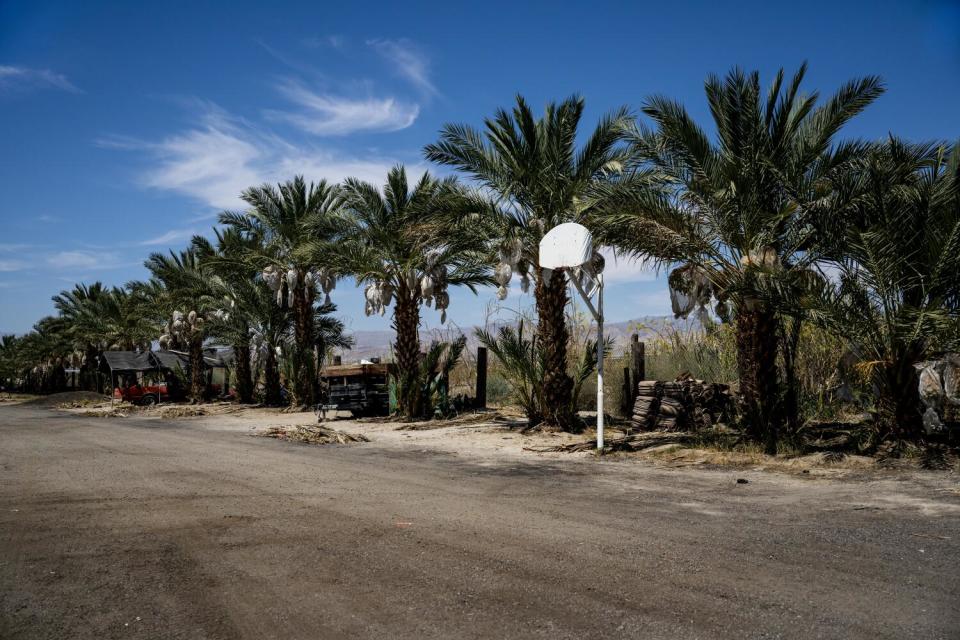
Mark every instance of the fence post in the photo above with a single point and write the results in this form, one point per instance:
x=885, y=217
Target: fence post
x=626, y=402
x=638, y=357
x=481, y=394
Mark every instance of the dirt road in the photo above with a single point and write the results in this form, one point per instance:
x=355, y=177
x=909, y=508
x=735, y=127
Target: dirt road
x=137, y=528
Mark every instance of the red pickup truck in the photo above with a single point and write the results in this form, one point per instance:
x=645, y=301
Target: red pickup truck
x=154, y=393
x=140, y=394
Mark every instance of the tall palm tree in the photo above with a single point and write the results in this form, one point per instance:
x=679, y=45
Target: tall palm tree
x=185, y=298
x=124, y=323
x=80, y=307
x=540, y=178
x=403, y=244
x=246, y=315
x=896, y=299
x=236, y=298
x=328, y=331
x=744, y=215
x=11, y=365
x=286, y=219
x=42, y=354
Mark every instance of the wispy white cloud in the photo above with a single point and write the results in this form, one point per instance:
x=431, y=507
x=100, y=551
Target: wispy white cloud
x=87, y=260
x=623, y=269
x=334, y=41
x=73, y=260
x=647, y=303
x=174, y=235
x=15, y=246
x=12, y=265
x=24, y=78
x=331, y=115
x=216, y=160
x=408, y=61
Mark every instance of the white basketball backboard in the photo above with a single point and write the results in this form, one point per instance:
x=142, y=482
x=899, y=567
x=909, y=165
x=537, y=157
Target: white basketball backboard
x=566, y=245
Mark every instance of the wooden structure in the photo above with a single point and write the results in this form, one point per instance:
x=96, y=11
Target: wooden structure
x=362, y=389
x=480, y=397
x=638, y=366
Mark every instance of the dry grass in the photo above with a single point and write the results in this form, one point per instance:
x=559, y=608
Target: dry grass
x=119, y=411
x=182, y=411
x=473, y=417
x=311, y=434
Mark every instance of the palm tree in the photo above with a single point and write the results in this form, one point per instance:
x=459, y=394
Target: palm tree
x=896, y=299
x=99, y=319
x=40, y=355
x=404, y=246
x=272, y=333
x=285, y=220
x=234, y=293
x=743, y=215
x=11, y=365
x=184, y=296
x=121, y=321
x=80, y=307
x=540, y=179
x=328, y=331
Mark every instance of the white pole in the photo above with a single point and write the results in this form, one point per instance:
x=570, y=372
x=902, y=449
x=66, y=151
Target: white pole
x=600, y=364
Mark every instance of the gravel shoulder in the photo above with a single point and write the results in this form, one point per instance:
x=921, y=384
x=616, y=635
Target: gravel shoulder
x=189, y=528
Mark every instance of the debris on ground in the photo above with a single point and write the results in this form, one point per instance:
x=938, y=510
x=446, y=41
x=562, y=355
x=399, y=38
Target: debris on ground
x=182, y=411
x=312, y=434
x=634, y=442
x=477, y=417
x=108, y=413
x=83, y=404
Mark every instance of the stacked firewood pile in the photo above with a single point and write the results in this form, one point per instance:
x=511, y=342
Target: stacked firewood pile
x=683, y=405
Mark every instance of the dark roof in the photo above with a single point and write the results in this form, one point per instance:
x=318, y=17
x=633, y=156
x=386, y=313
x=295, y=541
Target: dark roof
x=122, y=361
x=128, y=361
x=171, y=359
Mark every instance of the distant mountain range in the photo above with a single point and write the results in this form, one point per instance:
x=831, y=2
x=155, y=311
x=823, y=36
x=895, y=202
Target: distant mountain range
x=376, y=344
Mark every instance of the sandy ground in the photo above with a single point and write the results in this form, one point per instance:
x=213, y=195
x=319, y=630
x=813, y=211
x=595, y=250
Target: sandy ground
x=188, y=528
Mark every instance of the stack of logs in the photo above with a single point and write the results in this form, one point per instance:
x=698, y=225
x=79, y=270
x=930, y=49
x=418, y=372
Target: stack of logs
x=683, y=405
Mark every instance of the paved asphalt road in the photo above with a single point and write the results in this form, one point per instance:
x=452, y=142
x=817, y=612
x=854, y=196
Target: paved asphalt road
x=148, y=529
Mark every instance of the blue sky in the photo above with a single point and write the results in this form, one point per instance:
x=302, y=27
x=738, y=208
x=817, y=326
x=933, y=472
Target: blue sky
x=126, y=127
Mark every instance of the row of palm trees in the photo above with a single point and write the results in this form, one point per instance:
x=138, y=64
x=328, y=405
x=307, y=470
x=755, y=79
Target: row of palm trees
x=771, y=223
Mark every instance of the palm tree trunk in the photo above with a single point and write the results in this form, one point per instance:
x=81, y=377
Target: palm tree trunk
x=197, y=378
x=304, y=369
x=791, y=386
x=241, y=354
x=58, y=378
x=757, y=337
x=552, y=335
x=271, y=378
x=89, y=373
x=406, y=323
x=900, y=414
